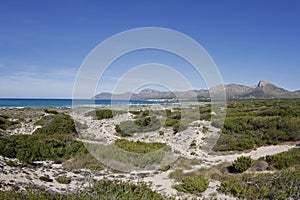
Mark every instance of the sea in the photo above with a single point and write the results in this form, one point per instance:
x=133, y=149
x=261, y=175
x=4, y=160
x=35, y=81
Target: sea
x=68, y=103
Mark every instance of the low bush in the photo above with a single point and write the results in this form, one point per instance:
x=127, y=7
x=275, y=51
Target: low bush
x=103, y=189
x=127, y=128
x=104, y=113
x=83, y=160
x=192, y=185
x=166, y=168
x=242, y=163
x=63, y=180
x=259, y=122
x=6, y=123
x=50, y=111
x=46, y=179
x=29, y=148
x=285, y=159
x=139, y=147
x=280, y=185
x=56, y=124
x=131, y=154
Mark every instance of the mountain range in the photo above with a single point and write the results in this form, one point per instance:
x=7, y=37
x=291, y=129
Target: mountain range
x=263, y=90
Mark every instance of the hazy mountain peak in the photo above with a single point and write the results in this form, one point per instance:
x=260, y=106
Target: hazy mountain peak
x=263, y=83
x=263, y=90
x=148, y=91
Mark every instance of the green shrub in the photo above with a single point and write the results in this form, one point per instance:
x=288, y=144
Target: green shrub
x=6, y=123
x=139, y=147
x=56, y=124
x=242, y=163
x=103, y=189
x=63, y=180
x=166, y=168
x=192, y=185
x=180, y=126
x=161, y=132
x=8, y=147
x=46, y=179
x=280, y=185
x=259, y=122
x=11, y=163
x=127, y=128
x=104, y=113
x=95, y=167
x=135, y=154
x=50, y=111
x=29, y=148
x=285, y=159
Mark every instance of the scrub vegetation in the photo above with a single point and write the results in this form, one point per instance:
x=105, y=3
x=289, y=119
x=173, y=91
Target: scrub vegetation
x=256, y=123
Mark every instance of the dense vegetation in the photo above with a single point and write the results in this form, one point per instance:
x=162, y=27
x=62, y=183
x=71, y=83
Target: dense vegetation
x=60, y=124
x=139, y=147
x=29, y=148
x=100, y=114
x=103, y=189
x=5, y=122
x=192, y=185
x=54, y=140
x=259, y=122
x=143, y=123
x=48, y=111
x=129, y=156
x=241, y=164
x=285, y=159
x=280, y=185
x=174, y=120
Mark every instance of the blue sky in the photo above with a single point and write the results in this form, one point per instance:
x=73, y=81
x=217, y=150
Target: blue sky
x=43, y=43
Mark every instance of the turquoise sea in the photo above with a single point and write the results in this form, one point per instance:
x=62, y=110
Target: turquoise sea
x=20, y=103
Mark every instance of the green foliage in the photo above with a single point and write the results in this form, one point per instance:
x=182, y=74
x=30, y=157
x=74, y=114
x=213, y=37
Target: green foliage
x=280, y=185
x=103, y=189
x=131, y=153
x=285, y=159
x=180, y=126
x=56, y=124
x=94, y=167
x=50, y=111
x=161, y=132
x=242, y=163
x=259, y=122
x=63, y=180
x=29, y=148
x=193, y=185
x=6, y=123
x=166, y=168
x=11, y=163
x=205, y=112
x=104, y=113
x=46, y=179
x=147, y=124
x=139, y=147
x=8, y=147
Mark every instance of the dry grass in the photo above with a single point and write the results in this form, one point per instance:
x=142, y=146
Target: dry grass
x=83, y=161
x=185, y=163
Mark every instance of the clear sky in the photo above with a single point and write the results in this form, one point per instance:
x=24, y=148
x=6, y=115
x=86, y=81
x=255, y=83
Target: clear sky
x=43, y=43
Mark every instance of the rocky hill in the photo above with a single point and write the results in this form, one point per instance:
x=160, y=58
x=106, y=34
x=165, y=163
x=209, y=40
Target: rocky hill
x=263, y=90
